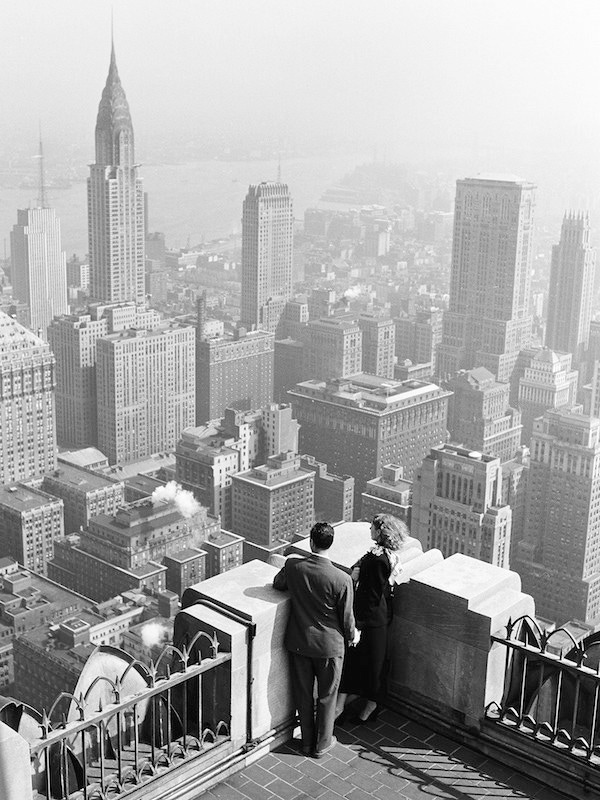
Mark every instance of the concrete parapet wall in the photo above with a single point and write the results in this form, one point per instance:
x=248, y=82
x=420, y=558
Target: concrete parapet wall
x=247, y=593
x=441, y=650
x=15, y=768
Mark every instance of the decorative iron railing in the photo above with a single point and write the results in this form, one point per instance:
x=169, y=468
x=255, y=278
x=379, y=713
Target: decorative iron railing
x=551, y=693
x=121, y=733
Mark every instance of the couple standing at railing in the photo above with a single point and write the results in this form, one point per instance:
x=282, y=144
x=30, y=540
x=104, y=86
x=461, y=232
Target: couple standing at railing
x=338, y=628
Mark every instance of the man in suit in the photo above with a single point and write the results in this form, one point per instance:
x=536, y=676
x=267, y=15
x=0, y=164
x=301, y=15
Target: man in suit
x=321, y=623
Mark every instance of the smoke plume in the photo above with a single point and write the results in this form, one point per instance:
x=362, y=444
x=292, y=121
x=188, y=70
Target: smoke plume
x=184, y=501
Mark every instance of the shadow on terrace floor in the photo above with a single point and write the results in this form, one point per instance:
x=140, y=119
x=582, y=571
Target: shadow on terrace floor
x=393, y=759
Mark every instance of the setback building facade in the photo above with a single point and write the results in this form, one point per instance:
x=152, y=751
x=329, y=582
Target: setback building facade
x=267, y=247
x=145, y=389
x=27, y=422
x=558, y=557
x=488, y=318
x=479, y=414
x=457, y=505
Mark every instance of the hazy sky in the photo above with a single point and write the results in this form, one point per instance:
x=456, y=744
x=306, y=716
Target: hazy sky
x=412, y=76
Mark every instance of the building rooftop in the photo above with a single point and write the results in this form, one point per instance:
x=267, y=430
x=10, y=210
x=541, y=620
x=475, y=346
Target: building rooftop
x=223, y=538
x=22, y=498
x=86, y=457
x=143, y=466
x=28, y=585
x=78, y=477
x=369, y=392
x=185, y=555
x=497, y=177
x=17, y=342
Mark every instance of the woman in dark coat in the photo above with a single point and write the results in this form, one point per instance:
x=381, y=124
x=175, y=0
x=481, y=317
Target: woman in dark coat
x=375, y=576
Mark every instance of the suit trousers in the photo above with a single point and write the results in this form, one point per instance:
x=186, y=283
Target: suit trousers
x=317, y=730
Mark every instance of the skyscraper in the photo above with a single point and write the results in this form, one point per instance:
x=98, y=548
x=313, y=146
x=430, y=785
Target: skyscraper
x=73, y=338
x=27, y=431
x=479, y=414
x=558, y=557
x=232, y=371
x=488, y=320
x=378, y=344
x=267, y=240
x=115, y=202
x=457, y=505
x=571, y=287
x=38, y=263
x=145, y=390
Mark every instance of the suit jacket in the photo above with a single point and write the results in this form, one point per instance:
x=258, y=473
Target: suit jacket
x=321, y=619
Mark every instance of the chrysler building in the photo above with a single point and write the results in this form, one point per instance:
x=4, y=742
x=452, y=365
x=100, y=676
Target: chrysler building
x=115, y=202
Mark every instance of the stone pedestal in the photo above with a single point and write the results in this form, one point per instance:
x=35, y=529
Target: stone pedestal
x=441, y=648
x=15, y=769
x=247, y=593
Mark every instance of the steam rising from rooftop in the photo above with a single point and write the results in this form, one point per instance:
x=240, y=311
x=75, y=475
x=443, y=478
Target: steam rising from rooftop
x=172, y=493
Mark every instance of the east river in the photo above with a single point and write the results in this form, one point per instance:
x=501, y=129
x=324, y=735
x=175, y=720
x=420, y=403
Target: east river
x=187, y=202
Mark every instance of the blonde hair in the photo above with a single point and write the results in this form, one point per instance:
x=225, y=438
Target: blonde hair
x=391, y=531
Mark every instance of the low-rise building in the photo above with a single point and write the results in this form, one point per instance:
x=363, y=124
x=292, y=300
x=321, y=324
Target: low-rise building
x=274, y=503
x=28, y=601
x=224, y=552
x=334, y=494
x=85, y=494
x=126, y=550
x=388, y=494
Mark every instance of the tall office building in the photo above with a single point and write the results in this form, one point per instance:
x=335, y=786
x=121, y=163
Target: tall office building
x=39, y=266
x=558, y=557
x=418, y=335
x=488, y=319
x=30, y=521
x=457, y=506
x=27, y=429
x=267, y=241
x=74, y=338
x=571, y=287
x=479, y=414
x=360, y=424
x=115, y=202
x=145, y=390
x=378, y=344
x=38, y=263
x=233, y=371
x=332, y=349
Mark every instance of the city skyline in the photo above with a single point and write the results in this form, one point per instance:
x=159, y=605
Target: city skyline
x=401, y=340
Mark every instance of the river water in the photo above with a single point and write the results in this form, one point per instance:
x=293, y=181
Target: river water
x=187, y=202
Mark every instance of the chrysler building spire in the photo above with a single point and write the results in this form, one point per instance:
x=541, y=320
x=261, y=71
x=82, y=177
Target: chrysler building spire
x=114, y=131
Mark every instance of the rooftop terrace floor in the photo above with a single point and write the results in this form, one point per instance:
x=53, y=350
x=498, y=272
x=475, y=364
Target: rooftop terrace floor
x=392, y=759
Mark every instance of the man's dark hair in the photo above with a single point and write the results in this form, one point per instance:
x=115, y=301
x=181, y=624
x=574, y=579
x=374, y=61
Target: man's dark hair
x=321, y=535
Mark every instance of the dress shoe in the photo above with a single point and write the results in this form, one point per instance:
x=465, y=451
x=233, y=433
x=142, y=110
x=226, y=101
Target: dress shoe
x=325, y=750
x=368, y=720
